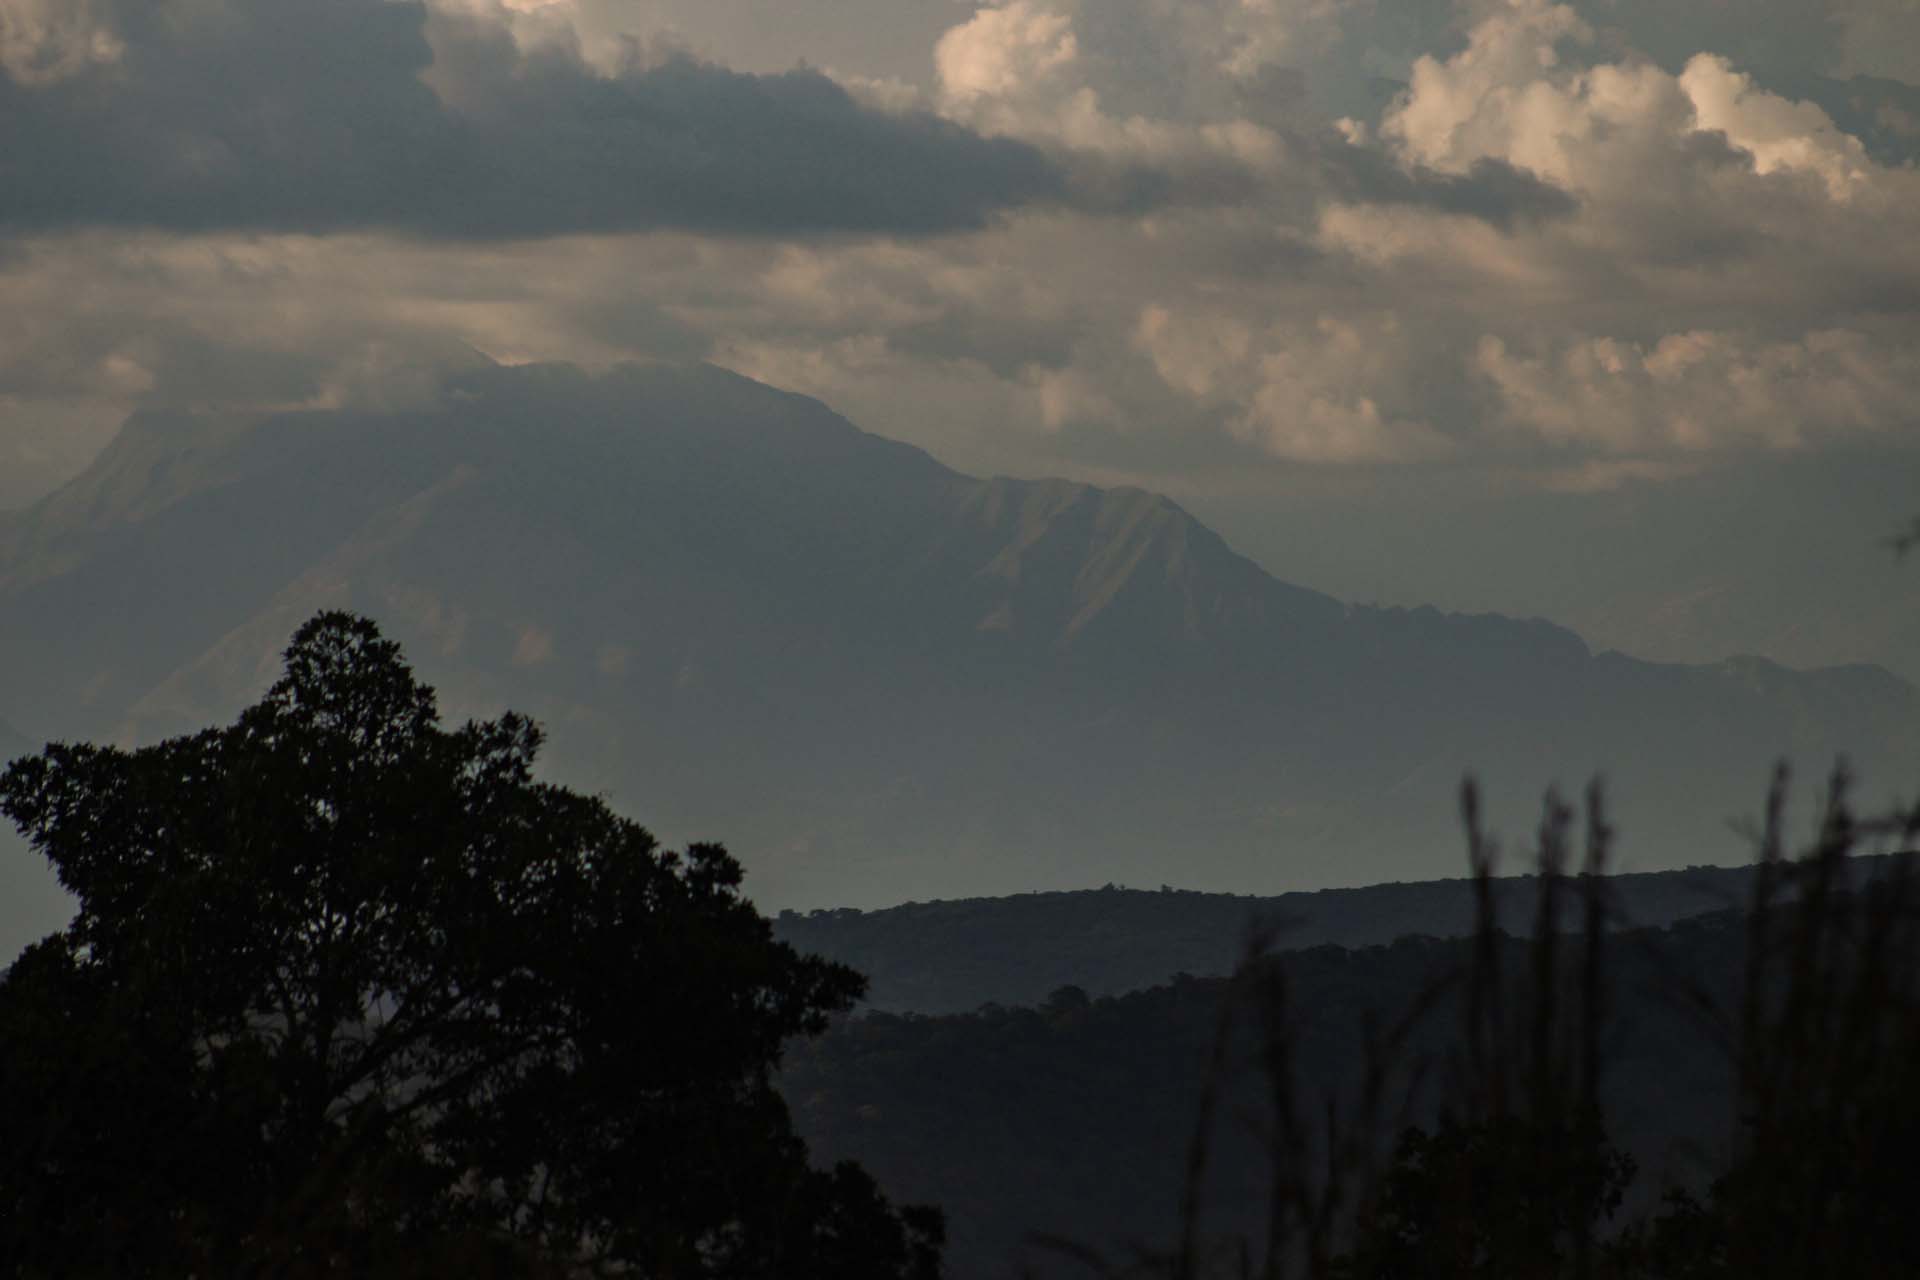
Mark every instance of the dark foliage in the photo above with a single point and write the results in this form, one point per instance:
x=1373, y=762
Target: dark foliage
x=350, y=993
x=1502, y=1197
x=1726, y=1097
x=1824, y=1165
x=1077, y=1122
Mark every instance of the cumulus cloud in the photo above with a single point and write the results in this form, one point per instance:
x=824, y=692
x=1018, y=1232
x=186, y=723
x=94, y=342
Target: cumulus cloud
x=1005, y=51
x=1779, y=134
x=1015, y=70
x=321, y=115
x=1325, y=391
x=1513, y=95
x=1196, y=104
x=1697, y=187
x=1704, y=390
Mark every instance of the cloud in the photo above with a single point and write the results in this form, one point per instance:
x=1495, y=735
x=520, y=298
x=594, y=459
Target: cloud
x=329, y=115
x=95, y=325
x=1698, y=188
x=1431, y=275
x=1324, y=392
x=1701, y=390
x=1490, y=189
x=1877, y=38
x=1229, y=125
x=1780, y=135
x=44, y=41
x=1003, y=51
x=1514, y=96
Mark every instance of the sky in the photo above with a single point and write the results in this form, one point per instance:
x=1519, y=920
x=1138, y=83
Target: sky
x=1605, y=311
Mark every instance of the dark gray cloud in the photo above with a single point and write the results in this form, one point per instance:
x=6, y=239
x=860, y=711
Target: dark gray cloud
x=312, y=116
x=1491, y=190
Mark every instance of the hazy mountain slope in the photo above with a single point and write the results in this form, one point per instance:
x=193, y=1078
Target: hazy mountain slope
x=953, y=957
x=1782, y=555
x=877, y=679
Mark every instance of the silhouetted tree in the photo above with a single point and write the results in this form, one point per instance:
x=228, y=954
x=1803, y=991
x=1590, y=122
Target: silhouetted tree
x=1500, y=1197
x=348, y=992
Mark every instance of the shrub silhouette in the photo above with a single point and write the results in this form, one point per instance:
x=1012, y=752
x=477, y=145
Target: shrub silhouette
x=1518, y=1177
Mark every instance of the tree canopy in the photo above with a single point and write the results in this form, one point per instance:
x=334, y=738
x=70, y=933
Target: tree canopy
x=349, y=991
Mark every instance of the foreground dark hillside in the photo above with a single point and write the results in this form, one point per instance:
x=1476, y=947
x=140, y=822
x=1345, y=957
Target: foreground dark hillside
x=875, y=678
x=1074, y=1119
x=952, y=957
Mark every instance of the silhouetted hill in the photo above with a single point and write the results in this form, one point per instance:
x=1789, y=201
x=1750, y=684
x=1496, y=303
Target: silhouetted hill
x=953, y=957
x=1074, y=1119
x=876, y=679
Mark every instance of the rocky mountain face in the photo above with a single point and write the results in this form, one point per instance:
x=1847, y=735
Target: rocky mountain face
x=874, y=678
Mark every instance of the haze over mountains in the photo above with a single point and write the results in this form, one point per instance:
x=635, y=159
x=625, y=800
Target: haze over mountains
x=1785, y=555
x=874, y=678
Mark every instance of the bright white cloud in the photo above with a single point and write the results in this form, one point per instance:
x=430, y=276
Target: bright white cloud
x=1008, y=51
x=1512, y=95
x=1779, y=134
x=1496, y=98
x=1135, y=79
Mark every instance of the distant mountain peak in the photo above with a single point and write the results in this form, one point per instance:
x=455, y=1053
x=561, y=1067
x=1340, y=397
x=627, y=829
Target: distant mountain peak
x=1068, y=557
x=743, y=617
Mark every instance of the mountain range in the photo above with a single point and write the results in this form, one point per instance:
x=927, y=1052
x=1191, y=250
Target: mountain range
x=742, y=618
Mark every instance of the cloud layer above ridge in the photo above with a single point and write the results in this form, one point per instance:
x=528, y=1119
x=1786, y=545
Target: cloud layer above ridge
x=1225, y=248
x=300, y=116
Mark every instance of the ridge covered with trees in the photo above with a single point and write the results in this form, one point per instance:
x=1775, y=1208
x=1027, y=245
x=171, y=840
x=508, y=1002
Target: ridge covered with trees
x=1726, y=1096
x=953, y=956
